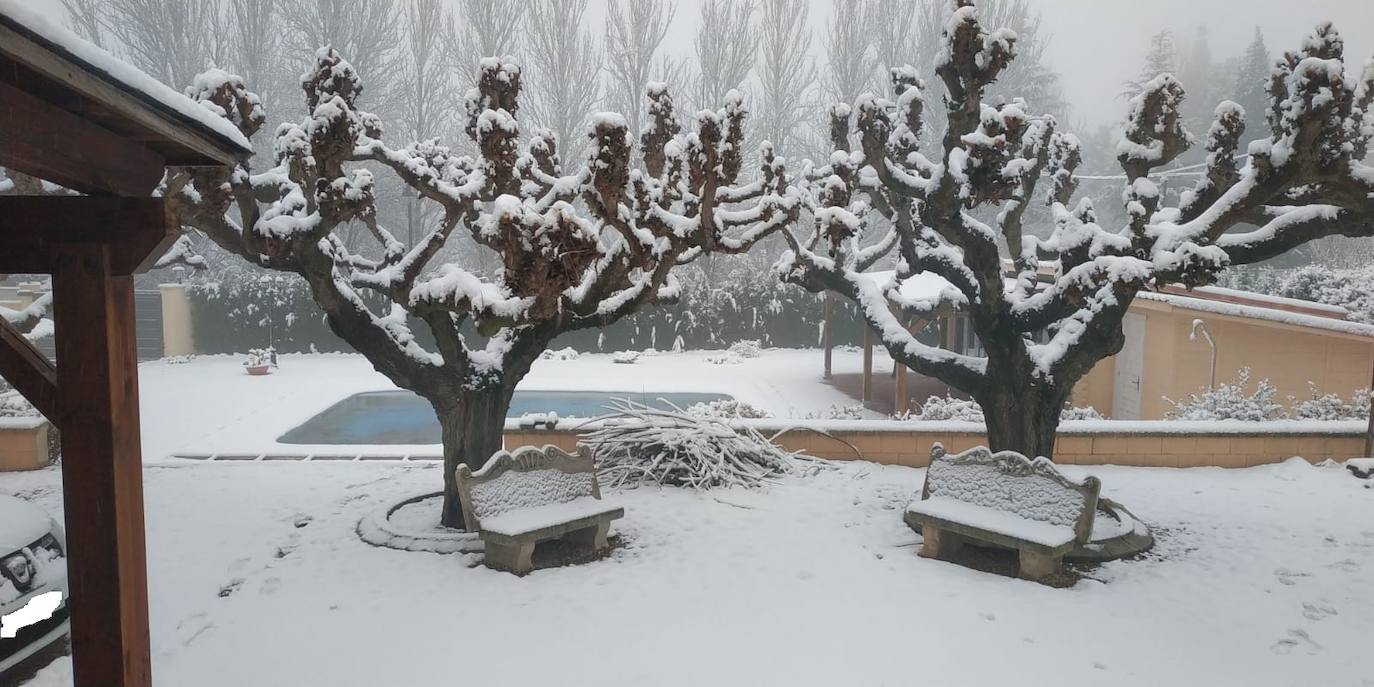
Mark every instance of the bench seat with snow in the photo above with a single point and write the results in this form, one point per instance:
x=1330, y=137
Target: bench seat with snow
x=1005, y=500
x=533, y=495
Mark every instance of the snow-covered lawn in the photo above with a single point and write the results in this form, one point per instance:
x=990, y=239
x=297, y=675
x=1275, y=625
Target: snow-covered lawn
x=1261, y=577
x=210, y=405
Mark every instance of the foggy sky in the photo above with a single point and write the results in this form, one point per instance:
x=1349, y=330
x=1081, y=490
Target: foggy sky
x=1096, y=44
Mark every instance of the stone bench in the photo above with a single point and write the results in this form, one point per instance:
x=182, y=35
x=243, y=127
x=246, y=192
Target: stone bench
x=520, y=499
x=1006, y=500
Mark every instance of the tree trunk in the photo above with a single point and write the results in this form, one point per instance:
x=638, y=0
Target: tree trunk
x=473, y=430
x=1024, y=421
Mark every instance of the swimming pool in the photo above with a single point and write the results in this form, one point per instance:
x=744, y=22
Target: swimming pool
x=401, y=417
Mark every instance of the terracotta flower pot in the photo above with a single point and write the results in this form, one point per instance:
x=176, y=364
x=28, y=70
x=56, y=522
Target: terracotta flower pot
x=258, y=370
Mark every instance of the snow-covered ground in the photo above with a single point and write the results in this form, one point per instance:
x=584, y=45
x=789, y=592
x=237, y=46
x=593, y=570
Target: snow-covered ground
x=1261, y=577
x=210, y=405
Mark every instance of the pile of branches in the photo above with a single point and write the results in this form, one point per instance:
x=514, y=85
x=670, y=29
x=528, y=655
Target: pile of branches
x=637, y=444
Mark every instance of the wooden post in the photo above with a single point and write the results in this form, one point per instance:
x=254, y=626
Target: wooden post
x=102, y=471
x=1369, y=429
x=868, y=364
x=827, y=331
x=902, y=402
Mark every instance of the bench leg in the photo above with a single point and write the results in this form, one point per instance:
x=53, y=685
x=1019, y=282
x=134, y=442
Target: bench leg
x=516, y=558
x=592, y=537
x=1035, y=566
x=937, y=543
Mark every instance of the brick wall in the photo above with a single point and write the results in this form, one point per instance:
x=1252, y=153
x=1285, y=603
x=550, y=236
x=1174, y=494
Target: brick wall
x=900, y=445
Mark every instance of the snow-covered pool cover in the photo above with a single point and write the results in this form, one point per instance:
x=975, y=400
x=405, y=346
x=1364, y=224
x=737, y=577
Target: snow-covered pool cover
x=993, y=520
x=119, y=73
x=518, y=522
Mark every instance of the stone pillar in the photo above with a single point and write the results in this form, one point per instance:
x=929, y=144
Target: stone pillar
x=178, y=338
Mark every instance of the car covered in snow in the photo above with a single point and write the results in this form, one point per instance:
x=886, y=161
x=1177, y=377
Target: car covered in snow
x=33, y=581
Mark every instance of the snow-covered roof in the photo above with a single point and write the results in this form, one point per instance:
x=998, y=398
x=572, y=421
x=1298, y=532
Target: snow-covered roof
x=919, y=286
x=1217, y=293
x=119, y=74
x=1255, y=312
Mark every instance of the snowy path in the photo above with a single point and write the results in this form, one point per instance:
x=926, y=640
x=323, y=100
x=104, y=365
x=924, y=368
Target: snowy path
x=1261, y=577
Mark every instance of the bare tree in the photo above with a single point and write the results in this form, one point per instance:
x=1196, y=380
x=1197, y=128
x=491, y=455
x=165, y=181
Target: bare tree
x=87, y=19
x=485, y=28
x=563, y=268
x=1054, y=311
x=725, y=44
x=369, y=31
x=787, y=76
x=426, y=95
x=634, y=32
x=850, y=59
x=172, y=40
x=895, y=29
x=565, y=70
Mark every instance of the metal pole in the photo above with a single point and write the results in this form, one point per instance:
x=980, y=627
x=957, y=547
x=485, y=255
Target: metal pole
x=1200, y=326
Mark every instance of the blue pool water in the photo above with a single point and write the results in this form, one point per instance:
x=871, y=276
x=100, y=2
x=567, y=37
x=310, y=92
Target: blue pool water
x=401, y=417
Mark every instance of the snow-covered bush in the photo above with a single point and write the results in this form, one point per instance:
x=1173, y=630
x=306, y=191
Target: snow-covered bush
x=1328, y=406
x=641, y=445
x=746, y=349
x=1351, y=288
x=1231, y=402
x=568, y=353
x=13, y=404
x=258, y=357
x=625, y=357
x=727, y=409
x=724, y=359
x=946, y=407
x=835, y=412
x=1080, y=413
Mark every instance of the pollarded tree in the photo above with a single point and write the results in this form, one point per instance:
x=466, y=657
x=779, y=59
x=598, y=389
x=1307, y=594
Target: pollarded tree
x=565, y=268
x=1053, y=310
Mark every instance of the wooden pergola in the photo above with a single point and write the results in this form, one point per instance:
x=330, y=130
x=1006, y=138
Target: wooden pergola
x=72, y=115
x=901, y=400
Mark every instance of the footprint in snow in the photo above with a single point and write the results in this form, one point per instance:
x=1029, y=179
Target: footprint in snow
x=270, y=586
x=1295, y=639
x=230, y=587
x=1289, y=577
x=1346, y=565
x=1316, y=611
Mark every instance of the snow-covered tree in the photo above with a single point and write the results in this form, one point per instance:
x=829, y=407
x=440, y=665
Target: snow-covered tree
x=1053, y=310
x=485, y=28
x=87, y=19
x=1162, y=58
x=1252, y=83
x=564, y=71
x=635, y=30
x=578, y=251
x=725, y=44
x=786, y=75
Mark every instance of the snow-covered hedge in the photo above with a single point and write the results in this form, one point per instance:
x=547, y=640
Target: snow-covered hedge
x=12, y=404
x=1351, y=288
x=235, y=308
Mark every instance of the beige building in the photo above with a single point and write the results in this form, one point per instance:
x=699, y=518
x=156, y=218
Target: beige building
x=1286, y=341
x=1171, y=338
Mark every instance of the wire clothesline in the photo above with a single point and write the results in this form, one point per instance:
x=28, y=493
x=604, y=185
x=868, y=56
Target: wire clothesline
x=1184, y=171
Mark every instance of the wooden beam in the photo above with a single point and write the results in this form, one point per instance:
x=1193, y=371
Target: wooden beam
x=102, y=469
x=181, y=140
x=50, y=143
x=38, y=230
x=28, y=370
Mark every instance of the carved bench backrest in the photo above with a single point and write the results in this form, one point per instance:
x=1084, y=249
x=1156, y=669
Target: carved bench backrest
x=1010, y=482
x=528, y=477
